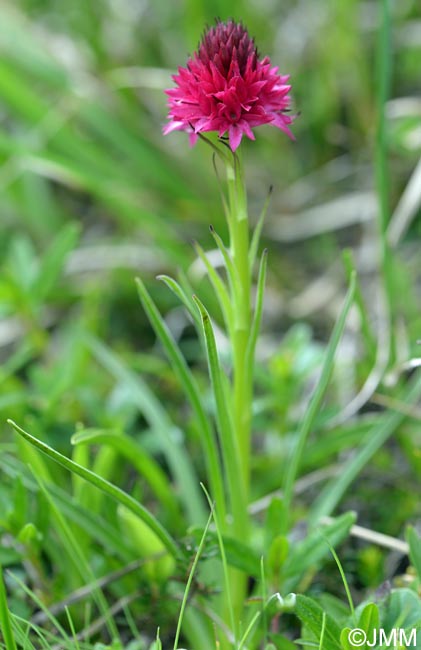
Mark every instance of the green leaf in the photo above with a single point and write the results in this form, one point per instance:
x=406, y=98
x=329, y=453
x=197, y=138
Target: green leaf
x=111, y=490
x=228, y=442
x=177, y=290
x=345, y=639
x=190, y=580
x=5, y=618
x=254, y=244
x=93, y=524
x=280, y=641
x=76, y=555
x=275, y=516
x=255, y=328
x=232, y=272
x=316, y=400
x=313, y=617
x=219, y=288
x=385, y=427
x=369, y=620
x=159, y=566
x=366, y=327
x=314, y=547
x=176, y=455
x=138, y=457
x=401, y=610
x=240, y=555
x=53, y=261
x=414, y=541
x=192, y=392
x=276, y=557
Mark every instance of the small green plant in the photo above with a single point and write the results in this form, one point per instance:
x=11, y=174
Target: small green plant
x=168, y=514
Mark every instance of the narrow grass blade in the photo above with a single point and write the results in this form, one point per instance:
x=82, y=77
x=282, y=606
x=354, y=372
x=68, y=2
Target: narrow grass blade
x=255, y=328
x=336, y=488
x=315, y=547
x=95, y=526
x=5, y=618
x=317, y=397
x=228, y=585
x=249, y=629
x=382, y=175
x=315, y=619
x=414, y=541
x=344, y=580
x=366, y=328
x=42, y=607
x=219, y=288
x=111, y=490
x=77, y=557
x=229, y=264
x=138, y=457
x=189, y=581
x=192, y=392
x=254, y=244
x=228, y=442
x=53, y=262
x=176, y=455
x=177, y=290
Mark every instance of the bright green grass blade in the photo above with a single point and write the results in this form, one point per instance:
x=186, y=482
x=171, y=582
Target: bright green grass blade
x=254, y=244
x=94, y=525
x=176, y=455
x=384, y=72
x=322, y=632
x=138, y=457
x=41, y=212
x=344, y=580
x=249, y=629
x=255, y=327
x=19, y=96
x=52, y=262
x=189, y=582
x=28, y=455
x=228, y=585
x=177, y=290
x=383, y=78
x=192, y=392
x=77, y=556
x=111, y=490
x=49, y=616
x=41, y=605
x=316, y=400
x=219, y=288
x=5, y=619
x=72, y=629
x=336, y=488
x=314, y=618
x=366, y=328
x=414, y=541
x=315, y=547
x=80, y=455
x=228, y=442
x=142, y=156
x=229, y=264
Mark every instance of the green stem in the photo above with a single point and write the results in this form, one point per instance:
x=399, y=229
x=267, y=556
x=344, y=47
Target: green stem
x=242, y=379
x=242, y=391
x=384, y=72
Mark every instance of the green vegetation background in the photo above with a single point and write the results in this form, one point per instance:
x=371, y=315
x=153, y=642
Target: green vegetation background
x=92, y=195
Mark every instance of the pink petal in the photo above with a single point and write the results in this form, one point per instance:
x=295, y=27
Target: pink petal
x=235, y=136
x=193, y=137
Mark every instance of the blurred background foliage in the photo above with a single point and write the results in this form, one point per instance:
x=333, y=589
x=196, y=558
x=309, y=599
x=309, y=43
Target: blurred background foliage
x=92, y=194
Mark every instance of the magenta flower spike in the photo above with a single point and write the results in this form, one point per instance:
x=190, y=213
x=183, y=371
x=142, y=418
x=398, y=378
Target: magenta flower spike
x=225, y=87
